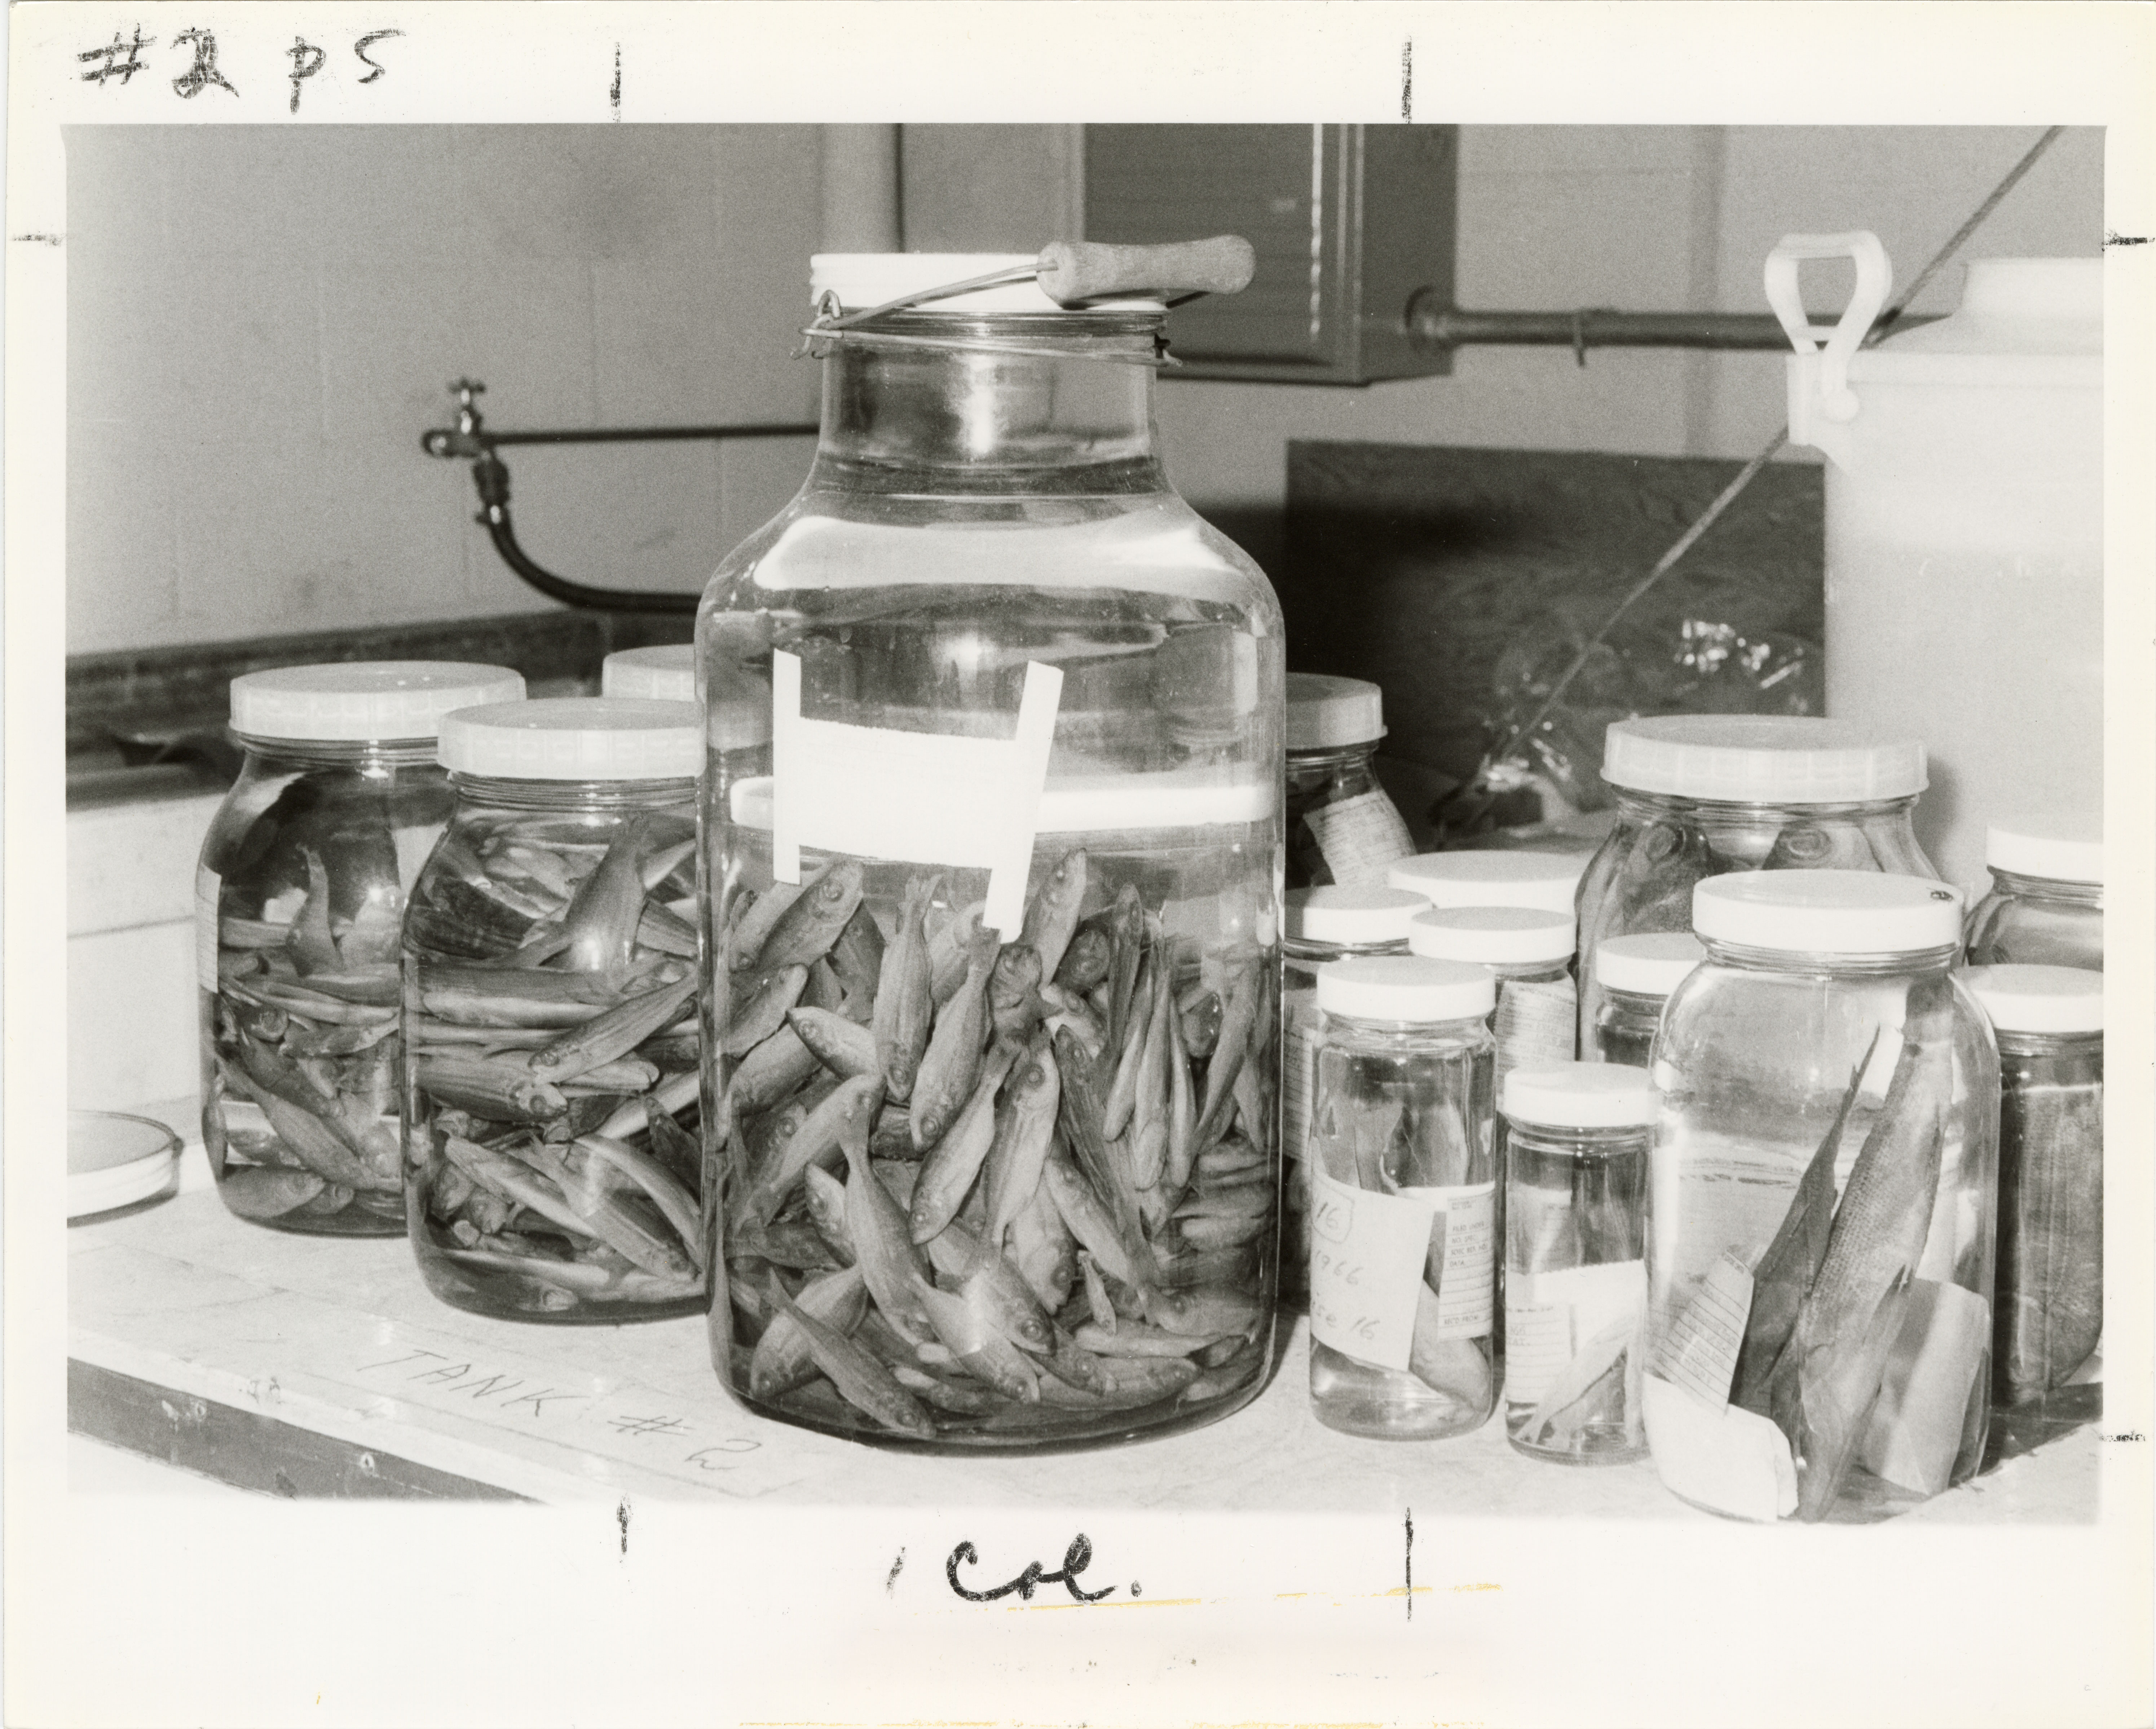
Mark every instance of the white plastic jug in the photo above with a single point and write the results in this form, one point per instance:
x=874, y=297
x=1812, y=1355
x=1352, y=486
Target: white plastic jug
x=1964, y=531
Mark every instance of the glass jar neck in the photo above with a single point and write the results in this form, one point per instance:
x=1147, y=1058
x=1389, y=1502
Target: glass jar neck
x=1299, y=948
x=980, y=419
x=1641, y=1003
x=1527, y=972
x=2049, y=1045
x=1581, y=1142
x=572, y=796
x=1310, y=765
x=2046, y=888
x=1900, y=963
x=1465, y=1030
x=367, y=756
x=1666, y=807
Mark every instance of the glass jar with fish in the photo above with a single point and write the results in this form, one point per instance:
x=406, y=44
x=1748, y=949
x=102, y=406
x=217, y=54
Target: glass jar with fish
x=1637, y=973
x=1322, y=924
x=298, y=894
x=1405, y=1208
x=552, y=1048
x=992, y=1036
x=1529, y=954
x=1703, y=795
x=1342, y=827
x=1822, y=1189
x=1575, y=1266
x=2049, y=1022
x=2046, y=907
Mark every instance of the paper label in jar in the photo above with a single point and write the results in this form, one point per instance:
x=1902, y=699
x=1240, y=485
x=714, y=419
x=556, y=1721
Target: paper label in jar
x=1298, y=1070
x=207, y=887
x=1699, y=1351
x=1550, y=1316
x=1536, y=1024
x=922, y=798
x=1360, y=837
x=1366, y=1256
x=1461, y=1267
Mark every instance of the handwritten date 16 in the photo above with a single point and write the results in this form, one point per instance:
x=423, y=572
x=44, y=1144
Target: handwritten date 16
x=1076, y=1560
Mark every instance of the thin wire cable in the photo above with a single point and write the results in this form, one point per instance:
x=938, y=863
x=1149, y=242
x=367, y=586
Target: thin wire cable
x=1728, y=495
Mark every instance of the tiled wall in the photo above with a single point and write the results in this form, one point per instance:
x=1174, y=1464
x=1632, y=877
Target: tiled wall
x=261, y=322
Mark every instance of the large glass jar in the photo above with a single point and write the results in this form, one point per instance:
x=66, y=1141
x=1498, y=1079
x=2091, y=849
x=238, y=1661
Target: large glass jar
x=1017, y=1185
x=1699, y=795
x=1320, y=924
x=298, y=897
x=1575, y=1266
x=2049, y=1022
x=1342, y=827
x=552, y=1055
x=1529, y=954
x=1822, y=1191
x=1637, y=973
x=2046, y=907
x=1404, y=1209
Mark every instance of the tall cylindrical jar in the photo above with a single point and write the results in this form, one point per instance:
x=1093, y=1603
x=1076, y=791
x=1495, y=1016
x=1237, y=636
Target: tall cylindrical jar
x=1529, y=954
x=1822, y=1192
x=1575, y=1266
x=1023, y=820
x=1342, y=827
x=1328, y=923
x=1698, y=795
x=2046, y=907
x=1637, y=974
x=1404, y=1211
x=551, y=1169
x=298, y=896
x=2049, y=1022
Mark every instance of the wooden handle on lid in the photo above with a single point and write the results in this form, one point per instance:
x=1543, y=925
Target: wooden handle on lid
x=1074, y=271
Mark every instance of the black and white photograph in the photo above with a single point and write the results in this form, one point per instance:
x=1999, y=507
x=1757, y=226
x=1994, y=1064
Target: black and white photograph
x=1448, y=1027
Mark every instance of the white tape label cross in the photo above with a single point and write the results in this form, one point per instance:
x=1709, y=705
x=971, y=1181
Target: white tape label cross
x=924, y=797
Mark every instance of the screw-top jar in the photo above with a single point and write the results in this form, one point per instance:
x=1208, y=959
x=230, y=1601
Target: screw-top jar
x=1322, y=924
x=2046, y=907
x=1341, y=826
x=1543, y=882
x=1529, y=953
x=298, y=897
x=1823, y=1048
x=1698, y=795
x=1575, y=1267
x=1404, y=1207
x=551, y=1043
x=2049, y=1022
x=1637, y=974
x=1023, y=810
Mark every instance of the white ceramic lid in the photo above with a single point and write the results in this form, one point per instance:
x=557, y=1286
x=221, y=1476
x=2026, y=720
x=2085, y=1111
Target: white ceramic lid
x=1542, y=880
x=1405, y=988
x=1325, y=713
x=664, y=673
x=1828, y=912
x=1352, y=917
x=1492, y=935
x=863, y=280
x=390, y=701
x=1652, y=965
x=1580, y=1095
x=2039, y=999
x=1760, y=759
x=2059, y=849
x=576, y=738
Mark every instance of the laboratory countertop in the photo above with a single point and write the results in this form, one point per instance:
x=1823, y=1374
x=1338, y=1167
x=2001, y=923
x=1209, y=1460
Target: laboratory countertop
x=308, y=1366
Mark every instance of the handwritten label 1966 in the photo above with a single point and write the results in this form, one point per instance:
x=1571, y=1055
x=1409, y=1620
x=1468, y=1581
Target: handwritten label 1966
x=1367, y=1252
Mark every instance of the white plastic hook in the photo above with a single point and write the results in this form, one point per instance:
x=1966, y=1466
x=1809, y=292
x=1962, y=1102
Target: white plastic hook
x=1818, y=382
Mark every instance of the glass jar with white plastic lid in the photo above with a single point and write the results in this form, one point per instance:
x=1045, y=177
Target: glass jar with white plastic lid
x=1342, y=827
x=552, y=1048
x=1529, y=953
x=298, y=894
x=1700, y=795
x=1405, y=1208
x=1319, y=925
x=2045, y=906
x=1637, y=974
x=2049, y=1022
x=1019, y=832
x=1575, y=1267
x=1822, y=1190
x=1543, y=882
